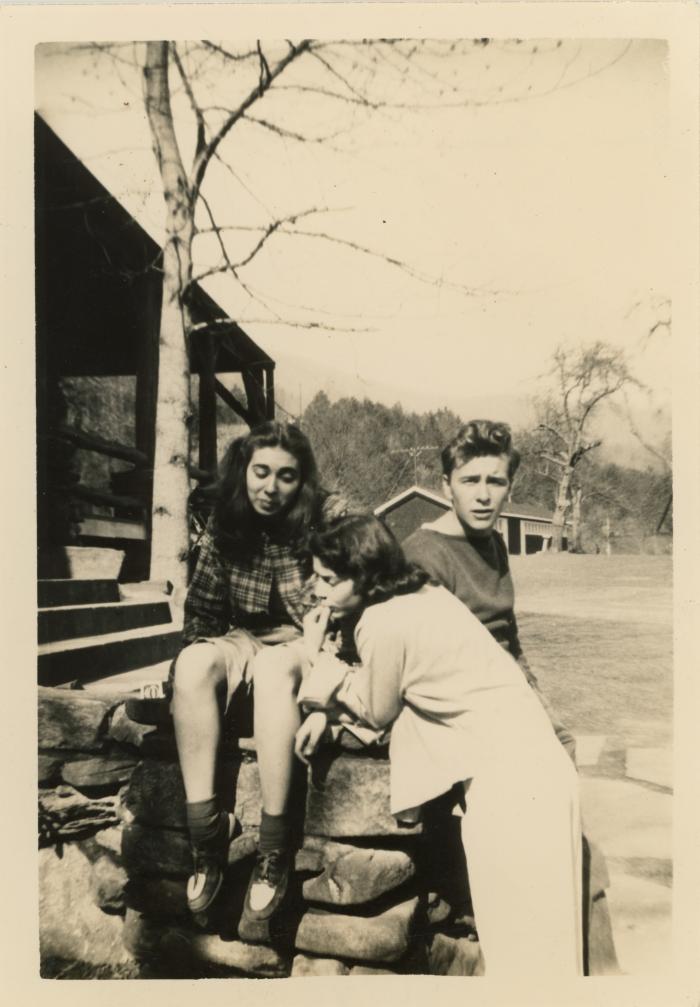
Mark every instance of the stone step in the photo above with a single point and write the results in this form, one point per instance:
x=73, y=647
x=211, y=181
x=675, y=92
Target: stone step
x=55, y=593
x=70, y=622
x=93, y=658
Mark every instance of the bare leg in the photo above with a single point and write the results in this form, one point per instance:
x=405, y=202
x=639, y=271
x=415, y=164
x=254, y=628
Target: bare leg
x=277, y=674
x=197, y=707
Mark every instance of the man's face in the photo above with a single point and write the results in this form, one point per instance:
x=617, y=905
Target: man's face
x=478, y=490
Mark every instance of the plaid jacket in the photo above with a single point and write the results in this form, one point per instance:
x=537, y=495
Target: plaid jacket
x=225, y=594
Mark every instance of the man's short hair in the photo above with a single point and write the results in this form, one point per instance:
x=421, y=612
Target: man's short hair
x=477, y=439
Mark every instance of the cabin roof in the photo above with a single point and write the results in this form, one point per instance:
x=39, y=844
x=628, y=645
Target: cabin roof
x=98, y=274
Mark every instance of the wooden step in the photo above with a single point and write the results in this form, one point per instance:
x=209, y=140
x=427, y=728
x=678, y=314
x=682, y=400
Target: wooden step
x=75, y=621
x=92, y=658
x=56, y=593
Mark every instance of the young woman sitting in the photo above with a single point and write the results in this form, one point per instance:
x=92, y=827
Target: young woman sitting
x=248, y=593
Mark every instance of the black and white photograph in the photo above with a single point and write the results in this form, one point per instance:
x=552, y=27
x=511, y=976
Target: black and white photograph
x=357, y=498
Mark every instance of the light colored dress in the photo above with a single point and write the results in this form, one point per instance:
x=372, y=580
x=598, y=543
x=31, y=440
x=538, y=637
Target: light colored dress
x=463, y=712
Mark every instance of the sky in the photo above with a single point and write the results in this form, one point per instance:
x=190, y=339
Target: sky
x=530, y=199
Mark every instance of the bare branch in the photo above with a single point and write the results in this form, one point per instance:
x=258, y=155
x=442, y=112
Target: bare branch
x=202, y=160
x=236, y=57
x=274, y=128
x=229, y=267
x=331, y=69
x=201, y=129
x=391, y=260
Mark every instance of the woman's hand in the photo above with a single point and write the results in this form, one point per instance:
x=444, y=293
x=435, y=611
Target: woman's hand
x=315, y=626
x=309, y=735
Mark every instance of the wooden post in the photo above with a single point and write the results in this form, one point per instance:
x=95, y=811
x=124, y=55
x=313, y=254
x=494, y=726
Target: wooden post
x=151, y=290
x=270, y=392
x=255, y=393
x=206, y=348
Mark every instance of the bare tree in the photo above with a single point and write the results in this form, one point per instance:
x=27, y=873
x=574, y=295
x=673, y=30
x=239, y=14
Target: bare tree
x=582, y=378
x=222, y=87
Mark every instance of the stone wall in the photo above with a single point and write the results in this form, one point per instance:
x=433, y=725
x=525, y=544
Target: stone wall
x=367, y=896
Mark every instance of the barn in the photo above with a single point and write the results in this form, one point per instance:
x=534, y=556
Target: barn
x=526, y=529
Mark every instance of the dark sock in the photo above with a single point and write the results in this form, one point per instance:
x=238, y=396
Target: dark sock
x=203, y=819
x=274, y=832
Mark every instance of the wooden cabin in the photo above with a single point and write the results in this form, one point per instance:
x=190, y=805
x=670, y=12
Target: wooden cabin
x=98, y=298
x=526, y=529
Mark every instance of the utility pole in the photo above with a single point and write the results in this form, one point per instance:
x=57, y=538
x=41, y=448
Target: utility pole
x=414, y=453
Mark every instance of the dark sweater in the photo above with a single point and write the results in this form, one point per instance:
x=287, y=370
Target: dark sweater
x=476, y=570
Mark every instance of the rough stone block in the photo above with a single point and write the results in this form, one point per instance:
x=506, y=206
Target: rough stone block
x=71, y=926
x=156, y=794
x=453, y=956
x=253, y=959
x=304, y=965
x=351, y=875
x=125, y=731
x=99, y=772
x=49, y=770
x=349, y=796
x=73, y=719
x=381, y=938
x=158, y=898
x=65, y=814
x=107, y=881
x=148, y=851
x=110, y=839
x=141, y=935
x=371, y=970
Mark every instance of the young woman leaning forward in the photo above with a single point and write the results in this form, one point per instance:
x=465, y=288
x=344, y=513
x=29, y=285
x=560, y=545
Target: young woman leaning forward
x=462, y=712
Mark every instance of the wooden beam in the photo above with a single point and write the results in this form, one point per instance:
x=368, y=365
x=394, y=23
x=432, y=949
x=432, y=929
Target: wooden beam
x=207, y=352
x=83, y=439
x=255, y=393
x=230, y=399
x=270, y=392
x=202, y=475
x=105, y=499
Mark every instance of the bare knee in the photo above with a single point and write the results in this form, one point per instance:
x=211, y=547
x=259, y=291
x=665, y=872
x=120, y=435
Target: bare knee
x=276, y=669
x=199, y=668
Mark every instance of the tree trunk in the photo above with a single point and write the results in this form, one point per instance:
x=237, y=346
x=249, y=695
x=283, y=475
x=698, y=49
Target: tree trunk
x=171, y=484
x=576, y=520
x=561, y=507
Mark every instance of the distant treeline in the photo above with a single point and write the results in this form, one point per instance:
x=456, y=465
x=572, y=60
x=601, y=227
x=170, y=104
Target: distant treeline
x=370, y=452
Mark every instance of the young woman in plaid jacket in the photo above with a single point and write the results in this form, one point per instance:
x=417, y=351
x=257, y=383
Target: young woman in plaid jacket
x=247, y=593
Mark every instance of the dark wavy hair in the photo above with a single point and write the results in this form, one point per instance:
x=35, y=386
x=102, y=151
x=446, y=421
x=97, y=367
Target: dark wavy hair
x=362, y=548
x=477, y=439
x=236, y=526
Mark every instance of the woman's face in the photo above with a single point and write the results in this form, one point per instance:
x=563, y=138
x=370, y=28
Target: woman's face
x=478, y=491
x=272, y=480
x=336, y=592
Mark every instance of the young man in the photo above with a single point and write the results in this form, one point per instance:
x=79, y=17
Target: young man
x=463, y=551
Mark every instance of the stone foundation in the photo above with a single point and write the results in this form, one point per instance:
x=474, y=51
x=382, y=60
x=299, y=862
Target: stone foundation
x=367, y=896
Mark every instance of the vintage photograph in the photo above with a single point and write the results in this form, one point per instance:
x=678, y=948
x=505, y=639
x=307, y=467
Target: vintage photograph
x=355, y=507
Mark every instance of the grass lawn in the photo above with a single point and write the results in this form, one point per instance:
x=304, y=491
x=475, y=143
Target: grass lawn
x=597, y=631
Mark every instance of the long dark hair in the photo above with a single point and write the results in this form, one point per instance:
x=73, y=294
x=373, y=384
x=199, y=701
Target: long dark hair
x=362, y=548
x=237, y=528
